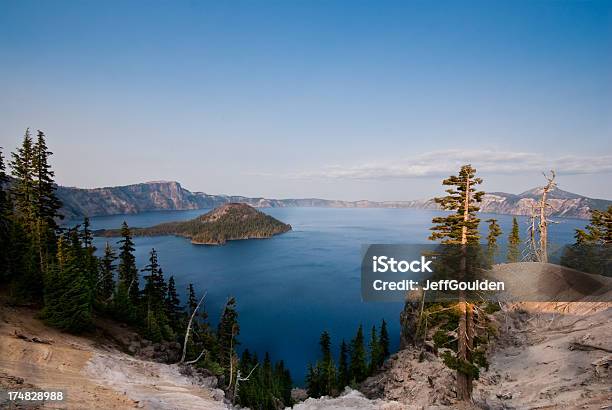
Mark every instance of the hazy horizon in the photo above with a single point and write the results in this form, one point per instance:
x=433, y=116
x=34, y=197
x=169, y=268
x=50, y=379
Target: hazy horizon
x=335, y=99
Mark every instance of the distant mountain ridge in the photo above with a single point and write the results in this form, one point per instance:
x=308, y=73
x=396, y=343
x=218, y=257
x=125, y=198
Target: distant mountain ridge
x=170, y=195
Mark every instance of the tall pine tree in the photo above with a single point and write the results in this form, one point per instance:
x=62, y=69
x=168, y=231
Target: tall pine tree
x=358, y=367
x=461, y=228
x=514, y=242
x=384, y=341
x=128, y=273
x=227, y=331
x=494, y=232
x=344, y=377
x=106, y=280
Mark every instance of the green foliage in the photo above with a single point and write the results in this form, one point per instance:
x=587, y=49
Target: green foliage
x=358, y=367
x=227, y=331
x=592, y=252
x=322, y=381
x=264, y=386
x=231, y=221
x=128, y=274
x=494, y=232
x=68, y=303
x=514, y=242
x=343, y=370
x=106, y=280
x=384, y=341
x=599, y=231
x=58, y=269
x=450, y=229
x=462, y=366
x=375, y=352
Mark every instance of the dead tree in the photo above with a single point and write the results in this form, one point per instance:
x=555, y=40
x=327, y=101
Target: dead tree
x=536, y=248
x=530, y=252
x=241, y=379
x=188, y=331
x=543, y=225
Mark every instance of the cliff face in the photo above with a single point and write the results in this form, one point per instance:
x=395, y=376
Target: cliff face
x=162, y=195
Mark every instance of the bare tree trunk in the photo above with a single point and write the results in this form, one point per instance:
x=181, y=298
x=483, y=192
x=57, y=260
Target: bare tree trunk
x=189, y=328
x=464, y=381
x=543, y=226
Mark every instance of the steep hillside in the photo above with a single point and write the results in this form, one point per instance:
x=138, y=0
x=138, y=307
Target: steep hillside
x=94, y=374
x=225, y=223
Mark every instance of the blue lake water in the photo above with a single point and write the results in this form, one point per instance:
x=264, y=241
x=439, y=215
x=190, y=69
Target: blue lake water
x=292, y=287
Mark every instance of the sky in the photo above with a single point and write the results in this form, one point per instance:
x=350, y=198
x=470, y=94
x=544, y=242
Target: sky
x=333, y=99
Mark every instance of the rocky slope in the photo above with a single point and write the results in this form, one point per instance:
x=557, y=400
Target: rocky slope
x=228, y=222
x=170, y=195
x=94, y=374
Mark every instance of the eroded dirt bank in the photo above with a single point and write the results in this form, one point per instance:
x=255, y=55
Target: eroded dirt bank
x=94, y=375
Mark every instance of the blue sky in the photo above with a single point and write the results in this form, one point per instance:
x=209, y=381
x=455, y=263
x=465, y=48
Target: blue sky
x=333, y=99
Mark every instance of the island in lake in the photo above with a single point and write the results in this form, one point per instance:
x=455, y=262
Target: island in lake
x=226, y=223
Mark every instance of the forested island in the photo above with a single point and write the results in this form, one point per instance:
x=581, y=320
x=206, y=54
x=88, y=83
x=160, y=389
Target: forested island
x=226, y=223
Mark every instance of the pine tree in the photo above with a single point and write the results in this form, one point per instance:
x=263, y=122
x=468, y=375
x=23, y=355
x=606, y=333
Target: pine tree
x=67, y=293
x=46, y=202
x=192, y=301
x=227, y=331
x=375, y=351
x=326, y=368
x=91, y=263
x=22, y=190
x=358, y=367
x=150, y=296
x=344, y=377
x=384, y=342
x=312, y=382
x=461, y=228
x=494, y=232
x=599, y=230
x=128, y=274
x=106, y=280
x=173, y=305
x=514, y=242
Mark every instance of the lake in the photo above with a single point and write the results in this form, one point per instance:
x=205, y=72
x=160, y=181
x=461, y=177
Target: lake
x=292, y=287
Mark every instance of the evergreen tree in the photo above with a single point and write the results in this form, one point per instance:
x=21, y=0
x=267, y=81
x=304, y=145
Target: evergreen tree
x=494, y=232
x=375, y=352
x=24, y=259
x=514, y=242
x=344, y=377
x=46, y=202
x=91, y=264
x=358, y=367
x=312, y=382
x=22, y=190
x=599, y=230
x=384, y=342
x=227, y=331
x=106, y=280
x=461, y=228
x=67, y=293
x=173, y=306
x=192, y=301
x=154, y=297
x=326, y=370
x=128, y=273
